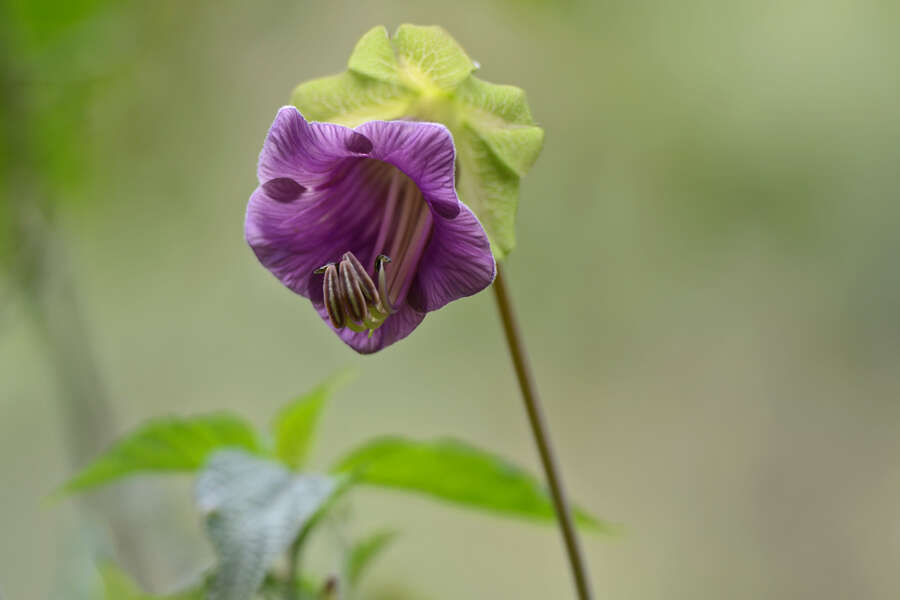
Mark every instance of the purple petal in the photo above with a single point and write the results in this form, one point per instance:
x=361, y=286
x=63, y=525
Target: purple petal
x=321, y=194
x=294, y=239
x=425, y=152
x=395, y=328
x=283, y=189
x=308, y=153
x=457, y=262
x=359, y=144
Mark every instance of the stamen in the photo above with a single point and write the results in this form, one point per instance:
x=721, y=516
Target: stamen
x=356, y=301
x=406, y=226
x=331, y=290
x=351, y=298
x=414, y=245
x=406, y=211
x=365, y=282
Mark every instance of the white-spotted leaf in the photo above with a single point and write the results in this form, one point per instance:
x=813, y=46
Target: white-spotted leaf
x=254, y=509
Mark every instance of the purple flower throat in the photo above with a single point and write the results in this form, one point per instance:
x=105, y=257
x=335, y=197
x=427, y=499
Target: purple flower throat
x=355, y=300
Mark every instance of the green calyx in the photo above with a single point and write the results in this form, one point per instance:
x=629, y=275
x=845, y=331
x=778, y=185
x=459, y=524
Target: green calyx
x=423, y=74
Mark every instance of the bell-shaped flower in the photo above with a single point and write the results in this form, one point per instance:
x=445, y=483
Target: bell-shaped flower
x=366, y=223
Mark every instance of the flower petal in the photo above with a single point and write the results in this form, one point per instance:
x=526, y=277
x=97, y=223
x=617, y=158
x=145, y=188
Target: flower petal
x=395, y=328
x=292, y=239
x=457, y=263
x=308, y=153
x=425, y=152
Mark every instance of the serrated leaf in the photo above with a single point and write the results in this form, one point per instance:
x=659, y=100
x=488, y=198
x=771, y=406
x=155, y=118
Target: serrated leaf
x=364, y=552
x=457, y=472
x=431, y=57
x=254, y=509
x=165, y=445
x=295, y=424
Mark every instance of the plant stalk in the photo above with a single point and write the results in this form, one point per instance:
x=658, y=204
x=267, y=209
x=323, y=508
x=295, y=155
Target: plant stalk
x=541, y=436
x=290, y=590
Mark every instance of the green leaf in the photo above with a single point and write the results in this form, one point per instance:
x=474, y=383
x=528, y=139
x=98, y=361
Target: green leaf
x=364, y=552
x=117, y=585
x=454, y=471
x=423, y=74
x=307, y=588
x=196, y=593
x=431, y=58
x=294, y=426
x=163, y=446
x=254, y=509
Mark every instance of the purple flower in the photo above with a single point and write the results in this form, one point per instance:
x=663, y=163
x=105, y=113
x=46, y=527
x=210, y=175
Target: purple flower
x=366, y=223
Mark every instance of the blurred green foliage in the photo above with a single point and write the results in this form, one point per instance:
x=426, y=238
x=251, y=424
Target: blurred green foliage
x=706, y=271
x=255, y=507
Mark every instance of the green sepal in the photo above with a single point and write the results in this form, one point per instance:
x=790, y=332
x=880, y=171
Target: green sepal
x=422, y=73
x=431, y=59
x=500, y=116
x=374, y=57
x=351, y=99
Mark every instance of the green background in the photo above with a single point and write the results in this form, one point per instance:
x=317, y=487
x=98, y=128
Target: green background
x=707, y=274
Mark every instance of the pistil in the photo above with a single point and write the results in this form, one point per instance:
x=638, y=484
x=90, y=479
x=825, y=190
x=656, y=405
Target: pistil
x=406, y=228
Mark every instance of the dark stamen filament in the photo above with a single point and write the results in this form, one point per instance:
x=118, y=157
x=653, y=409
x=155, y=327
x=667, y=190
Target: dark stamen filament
x=407, y=233
x=332, y=290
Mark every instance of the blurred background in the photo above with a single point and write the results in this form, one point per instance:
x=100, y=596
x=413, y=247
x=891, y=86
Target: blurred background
x=707, y=273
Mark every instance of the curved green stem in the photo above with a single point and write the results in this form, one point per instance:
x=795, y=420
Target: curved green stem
x=541, y=436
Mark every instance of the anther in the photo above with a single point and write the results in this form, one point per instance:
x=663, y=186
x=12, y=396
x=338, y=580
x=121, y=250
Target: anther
x=356, y=301
x=365, y=282
x=332, y=291
x=351, y=298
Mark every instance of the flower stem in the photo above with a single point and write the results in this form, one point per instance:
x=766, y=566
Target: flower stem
x=290, y=590
x=541, y=436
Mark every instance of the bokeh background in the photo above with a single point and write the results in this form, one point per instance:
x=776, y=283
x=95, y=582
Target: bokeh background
x=707, y=273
